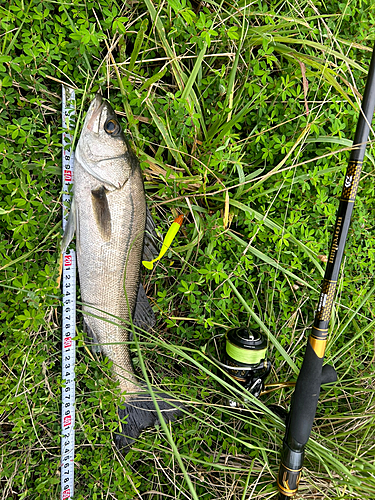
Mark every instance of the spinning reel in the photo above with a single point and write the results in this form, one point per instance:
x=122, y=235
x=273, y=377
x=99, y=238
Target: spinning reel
x=244, y=360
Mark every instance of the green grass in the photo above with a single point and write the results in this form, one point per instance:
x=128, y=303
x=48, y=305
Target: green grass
x=242, y=115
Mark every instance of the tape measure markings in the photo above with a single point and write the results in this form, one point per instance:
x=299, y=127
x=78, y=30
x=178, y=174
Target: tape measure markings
x=68, y=308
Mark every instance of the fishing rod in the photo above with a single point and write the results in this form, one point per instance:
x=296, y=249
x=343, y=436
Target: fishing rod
x=305, y=399
x=243, y=352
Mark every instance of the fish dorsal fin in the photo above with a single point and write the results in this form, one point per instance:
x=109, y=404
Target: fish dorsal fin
x=101, y=212
x=151, y=245
x=143, y=316
x=69, y=228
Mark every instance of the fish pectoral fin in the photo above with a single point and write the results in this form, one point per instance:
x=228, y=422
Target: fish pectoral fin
x=151, y=243
x=69, y=228
x=101, y=212
x=143, y=317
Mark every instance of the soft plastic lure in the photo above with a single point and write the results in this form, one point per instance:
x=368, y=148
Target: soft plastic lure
x=169, y=237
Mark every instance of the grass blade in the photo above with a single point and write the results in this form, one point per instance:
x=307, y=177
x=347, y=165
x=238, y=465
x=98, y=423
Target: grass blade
x=138, y=44
x=271, y=262
x=197, y=66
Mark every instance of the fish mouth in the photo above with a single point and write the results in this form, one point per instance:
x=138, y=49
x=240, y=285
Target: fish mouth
x=97, y=107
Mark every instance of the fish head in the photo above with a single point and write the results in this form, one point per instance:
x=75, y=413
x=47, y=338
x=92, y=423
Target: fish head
x=102, y=149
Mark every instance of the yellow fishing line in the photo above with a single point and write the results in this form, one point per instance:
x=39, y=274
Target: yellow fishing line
x=169, y=237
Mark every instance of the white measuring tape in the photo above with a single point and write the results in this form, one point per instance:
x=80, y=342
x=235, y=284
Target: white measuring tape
x=69, y=307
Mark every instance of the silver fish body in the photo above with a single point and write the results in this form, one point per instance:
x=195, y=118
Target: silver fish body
x=108, y=267
x=109, y=216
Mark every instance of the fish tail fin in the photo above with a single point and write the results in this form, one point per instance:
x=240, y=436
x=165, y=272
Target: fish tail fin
x=139, y=413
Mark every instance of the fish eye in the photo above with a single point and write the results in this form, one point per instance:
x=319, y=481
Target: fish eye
x=112, y=126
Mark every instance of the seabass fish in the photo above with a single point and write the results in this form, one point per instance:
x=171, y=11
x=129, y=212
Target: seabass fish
x=110, y=219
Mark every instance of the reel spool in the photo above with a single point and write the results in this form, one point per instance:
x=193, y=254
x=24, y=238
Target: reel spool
x=244, y=359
